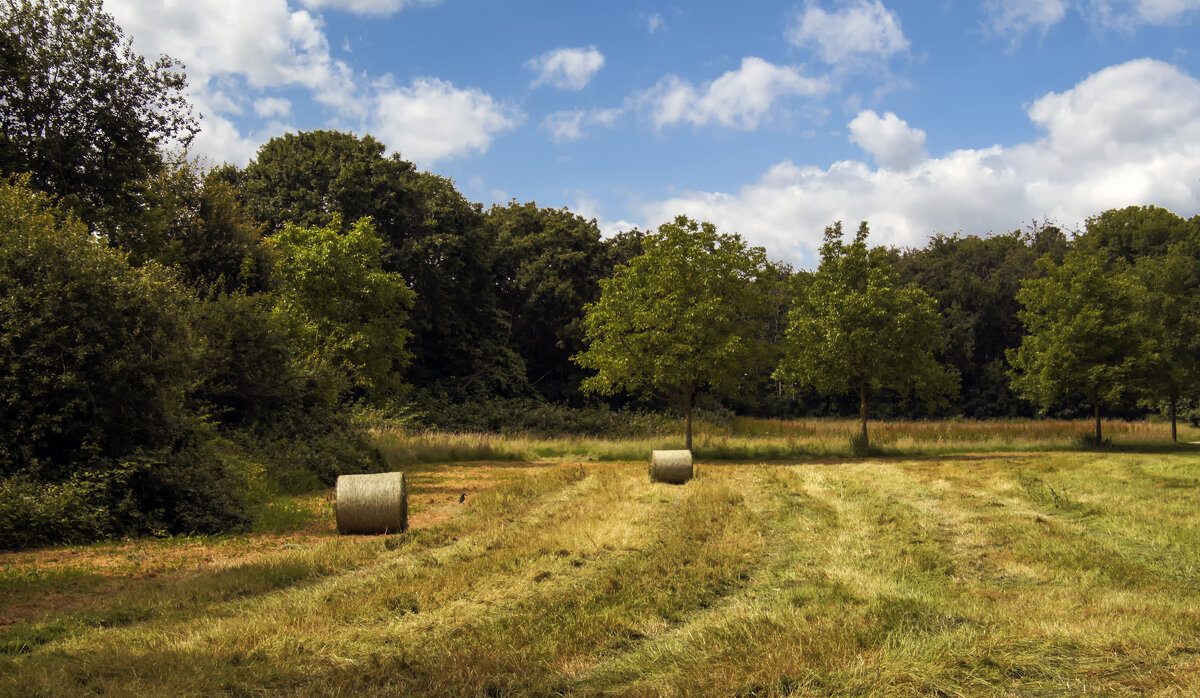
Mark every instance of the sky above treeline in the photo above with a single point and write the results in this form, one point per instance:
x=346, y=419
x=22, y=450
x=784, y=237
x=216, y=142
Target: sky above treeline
x=770, y=119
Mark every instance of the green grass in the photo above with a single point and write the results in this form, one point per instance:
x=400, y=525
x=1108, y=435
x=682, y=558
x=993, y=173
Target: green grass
x=1002, y=573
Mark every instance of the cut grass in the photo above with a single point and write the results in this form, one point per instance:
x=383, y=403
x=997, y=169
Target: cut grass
x=1049, y=574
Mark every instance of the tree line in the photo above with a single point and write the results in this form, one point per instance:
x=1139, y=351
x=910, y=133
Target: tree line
x=167, y=327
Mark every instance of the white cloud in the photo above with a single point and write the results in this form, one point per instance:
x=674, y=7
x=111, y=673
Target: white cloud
x=1016, y=17
x=433, y=120
x=889, y=139
x=860, y=30
x=369, y=7
x=655, y=22
x=264, y=42
x=1129, y=134
x=1130, y=13
x=268, y=107
x=739, y=99
x=566, y=68
x=234, y=49
x=568, y=125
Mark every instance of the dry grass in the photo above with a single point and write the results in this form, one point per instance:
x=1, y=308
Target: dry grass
x=764, y=439
x=985, y=574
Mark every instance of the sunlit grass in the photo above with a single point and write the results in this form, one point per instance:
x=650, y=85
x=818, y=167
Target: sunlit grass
x=751, y=439
x=1061, y=573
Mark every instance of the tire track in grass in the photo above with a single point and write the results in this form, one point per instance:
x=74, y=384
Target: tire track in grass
x=1100, y=617
x=845, y=587
x=169, y=625
x=701, y=546
x=650, y=664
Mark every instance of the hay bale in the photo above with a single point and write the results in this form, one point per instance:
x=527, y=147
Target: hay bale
x=372, y=504
x=674, y=467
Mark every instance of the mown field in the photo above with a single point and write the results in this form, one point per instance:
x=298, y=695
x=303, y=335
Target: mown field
x=990, y=571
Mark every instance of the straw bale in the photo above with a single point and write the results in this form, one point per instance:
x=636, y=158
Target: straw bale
x=372, y=504
x=674, y=467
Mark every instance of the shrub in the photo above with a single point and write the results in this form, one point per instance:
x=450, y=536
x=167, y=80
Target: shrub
x=95, y=355
x=191, y=490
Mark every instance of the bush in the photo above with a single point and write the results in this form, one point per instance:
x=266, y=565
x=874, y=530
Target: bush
x=95, y=355
x=305, y=450
x=191, y=490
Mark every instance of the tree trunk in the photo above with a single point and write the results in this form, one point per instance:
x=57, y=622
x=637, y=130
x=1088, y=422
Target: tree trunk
x=1171, y=410
x=687, y=410
x=1096, y=411
x=862, y=412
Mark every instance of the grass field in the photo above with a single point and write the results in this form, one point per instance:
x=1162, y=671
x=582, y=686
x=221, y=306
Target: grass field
x=989, y=572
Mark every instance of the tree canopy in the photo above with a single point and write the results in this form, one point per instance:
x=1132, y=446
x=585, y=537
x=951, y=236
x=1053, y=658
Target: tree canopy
x=95, y=356
x=81, y=111
x=1085, y=333
x=681, y=316
x=350, y=316
x=854, y=328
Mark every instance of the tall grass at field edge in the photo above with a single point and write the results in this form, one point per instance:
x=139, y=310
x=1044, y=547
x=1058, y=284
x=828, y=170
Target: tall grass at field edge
x=749, y=439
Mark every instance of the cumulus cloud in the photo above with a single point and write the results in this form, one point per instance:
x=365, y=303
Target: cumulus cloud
x=234, y=49
x=1016, y=17
x=433, y=120
x=264, y=42
x=369, y=7
x=566, y=68
x=859, y=31
x=889, y=139
x=739, y=99
x=1129, y=134
x=269, y=107
x=569, y=124
x=655, y=22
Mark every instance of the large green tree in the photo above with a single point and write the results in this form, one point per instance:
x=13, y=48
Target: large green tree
x=1163, y=250
x=855, y=328
x=549, y=263
x=974, y=281
x=81, y=111
x=1086, y=333
x=683, y=315
x=349, y=315
x=432, y=236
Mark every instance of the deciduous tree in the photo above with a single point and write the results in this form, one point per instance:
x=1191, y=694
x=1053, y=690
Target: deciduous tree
x=854, y=328
x=350, y=316
x=683, y=315
x=1085, y=333
x=81, y=111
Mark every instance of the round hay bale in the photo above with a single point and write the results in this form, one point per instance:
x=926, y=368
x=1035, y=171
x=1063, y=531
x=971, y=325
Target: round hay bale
x=371, y=504
x=674, y=467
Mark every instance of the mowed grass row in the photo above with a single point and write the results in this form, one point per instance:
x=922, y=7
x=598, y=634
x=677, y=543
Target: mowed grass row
x=747, y=438
x=1030, y=574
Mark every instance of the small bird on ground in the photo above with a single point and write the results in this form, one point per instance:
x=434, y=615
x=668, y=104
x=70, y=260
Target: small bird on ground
x=462, y=497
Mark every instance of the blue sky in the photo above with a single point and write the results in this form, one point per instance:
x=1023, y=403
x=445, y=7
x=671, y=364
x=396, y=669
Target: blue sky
x=770, y=119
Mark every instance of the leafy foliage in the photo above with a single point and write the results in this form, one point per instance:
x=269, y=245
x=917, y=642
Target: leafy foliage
x=854, y=328
x=1085, y=332
x=681, y=316
x=432, y=237
x=548, y=266
x=81, y=111
x=349, y=317
x=974, y=282
x=95, y=356
x=1164, y=251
